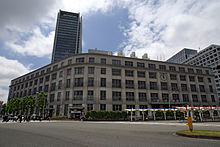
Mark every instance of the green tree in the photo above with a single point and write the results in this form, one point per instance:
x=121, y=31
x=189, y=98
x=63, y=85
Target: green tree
x=4, y=109
x=41, y=102
x=14, y=105
x=28, y=104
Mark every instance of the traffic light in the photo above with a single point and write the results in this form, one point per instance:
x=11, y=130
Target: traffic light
x=189, y=123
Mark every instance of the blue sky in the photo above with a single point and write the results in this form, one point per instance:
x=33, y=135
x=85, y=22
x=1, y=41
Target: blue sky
x=160, y=28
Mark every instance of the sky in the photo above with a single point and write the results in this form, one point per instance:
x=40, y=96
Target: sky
x=159, y=28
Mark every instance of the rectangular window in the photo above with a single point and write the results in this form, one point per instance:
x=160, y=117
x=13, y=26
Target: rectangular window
x=116, y=62
x=128, y=63
x=191, y=78
x=203, y=97
x=195, y=98
x=209, y=80
x=102, y=95
x=165, y=97
x=164, y=86
x=172, y=68
x=61, y=74
x=176, y=97
x=90, y=81
x=68, y=83
x=55, y=67
x=79, y=70
x=183, y=87
x=53, y=86
x=66, y=109
x=185, y=98
x=153, y=85
x=174, y=86
x=103, y=71
x=60, y=84
x=91, y=59
x=152, y=75
x=69, y=61
x=78, y=82
x=91, y=70
x=140, y=64
x=129, y=73
x=116, y=107
x=51, y=98
x=35, y=82
x=151, y=66
x=103, y=82
x=78, y=95
x=182, y=78
x=103, y=61
x=154, y=97
x=213, y=98
x=58, y=110
x=173, y=77
x=130, y=106
x=200, y=79
x=67, y=95
x=141, y=74
x=89, y=107
x=198, y=71
x=129, y=96
x=181, y=69
x=58, y=96
x=54, y=76
x=47, y=78
x=116, y=83
x=31, y=83
x=116, y=72
x=116, y=96
x=210, y=88
x=79, y=60
x=142, y=97
x=193, y=87
x=90, y=95
x=202, y=88
x=102, y=107
x=141, y=85
x=162, y=67
x=129, y=84
x=48, y=69
x=69, y=71
x=190, y=70
x=46, y=88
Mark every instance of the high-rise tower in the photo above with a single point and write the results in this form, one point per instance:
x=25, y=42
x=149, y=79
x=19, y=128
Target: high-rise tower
x=68, y=35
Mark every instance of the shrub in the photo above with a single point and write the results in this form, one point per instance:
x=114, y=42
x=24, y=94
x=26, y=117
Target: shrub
x=159, y=113
x=106, y=115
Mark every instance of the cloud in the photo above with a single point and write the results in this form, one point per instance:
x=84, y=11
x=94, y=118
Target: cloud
x=10, y=69
x=160, y=28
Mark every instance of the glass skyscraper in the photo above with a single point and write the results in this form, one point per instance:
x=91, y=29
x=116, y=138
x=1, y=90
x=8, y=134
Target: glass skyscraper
x=68, y=35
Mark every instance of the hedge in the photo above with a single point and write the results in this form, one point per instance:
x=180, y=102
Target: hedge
x=106, y=115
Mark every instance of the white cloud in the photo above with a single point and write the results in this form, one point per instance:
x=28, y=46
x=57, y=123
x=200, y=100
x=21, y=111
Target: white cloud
x=10, y=69
x=163, y=27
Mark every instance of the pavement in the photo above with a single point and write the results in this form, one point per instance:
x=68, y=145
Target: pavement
x=101, y=134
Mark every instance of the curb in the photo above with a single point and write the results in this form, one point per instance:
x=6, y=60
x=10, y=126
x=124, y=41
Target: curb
x=199, y=136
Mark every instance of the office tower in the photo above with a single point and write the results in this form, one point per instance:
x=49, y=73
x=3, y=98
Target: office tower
x=208, y=57
x=182, y=55
x=68, y=35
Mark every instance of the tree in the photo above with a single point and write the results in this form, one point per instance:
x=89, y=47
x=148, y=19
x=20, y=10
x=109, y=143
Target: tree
x=14, y=105
x=4, y=109
x=42, y=102
x=28, y=104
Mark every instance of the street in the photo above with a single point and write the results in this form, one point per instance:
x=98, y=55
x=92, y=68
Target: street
x=101, y=134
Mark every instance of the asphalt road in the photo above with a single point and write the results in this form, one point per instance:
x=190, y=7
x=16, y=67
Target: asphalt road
x=101, y=134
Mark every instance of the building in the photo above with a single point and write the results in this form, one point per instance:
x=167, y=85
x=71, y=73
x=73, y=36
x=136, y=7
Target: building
x=94, y=81
x=208, y=57
x=182, y=55
x=68, y=35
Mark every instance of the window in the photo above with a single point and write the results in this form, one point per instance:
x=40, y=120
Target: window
x=173, y=77
x=200, y=79
x=140, y=64
x=203, y=97
x=213, y=98
x=128, y=63
x=193, y=87
x=103, y=82
x=69, y=71
x=58, y=96
x=60, y=84
x=90, y=95
x=182, y=78
x=67, y=95
x=31, y=83
x=152, y=75
x=47, y=78
x=35, y=91
x=154, y=97
x=129, y=73
x=79, y=70
x=176, y=97
x=91, y=70
x=54, y=76
x=210, y=88
x=116, y=72
x=129, y=96
x=190, y=70
x=165, y=97
x=142, y=97
x=129, y=84
x=89, y=107
x=62, y=64
x=164, y=86
x=103, y=61
x=78, y=82
x=174, y=86
x=53, y=86
x=153, y=85
x=48, y=69
x=162, y=67
x=78, y=95
x=116, y=83
x=58, y=110
x=191, y=78
x=35, y=82
x=130, y=106
x=209, y=80
x=198, y=71
x=66, y=109
x=116, y=107
x=90, y=81
x=207, y=72
x=69, y=61
x=40, y=88
x=202, y=88
x=79, y=60
x=68, y=83
x=141, y=74
x=116, y=96
x=103, y=70
x=46, y=88
x=172, y=68
x=102, y=95
x=116, y=62
x=61, y=74
x=141, y=85
x=151, y=66
x=195, y=98
x=42, y=72
x=181, y=69
x=183, y=87
x=51, y=98
x=91, y=59
x=55, y=67
x=26, y=85
x=102, y=107
x=185, y=98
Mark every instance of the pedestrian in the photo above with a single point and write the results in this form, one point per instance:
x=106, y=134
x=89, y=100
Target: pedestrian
x=20, y=118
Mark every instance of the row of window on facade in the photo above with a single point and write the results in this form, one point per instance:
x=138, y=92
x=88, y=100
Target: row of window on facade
x=114, y=62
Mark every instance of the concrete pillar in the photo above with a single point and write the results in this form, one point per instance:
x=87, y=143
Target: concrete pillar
x=174, y=114
x=200, y=115
x=165, y=116
x=131, y=113
x=143, y=115
x=191, y=113
x=154, y=114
